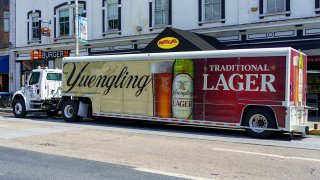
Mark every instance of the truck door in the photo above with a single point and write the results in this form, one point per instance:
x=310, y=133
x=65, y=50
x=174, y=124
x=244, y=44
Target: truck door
x=53, y=85
x=32, y=88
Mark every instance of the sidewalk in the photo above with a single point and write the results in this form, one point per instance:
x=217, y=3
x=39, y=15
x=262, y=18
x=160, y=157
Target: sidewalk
x=314, y=122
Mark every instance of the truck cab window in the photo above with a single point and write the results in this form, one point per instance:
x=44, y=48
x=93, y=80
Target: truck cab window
x=34, y=79
x=54, y=76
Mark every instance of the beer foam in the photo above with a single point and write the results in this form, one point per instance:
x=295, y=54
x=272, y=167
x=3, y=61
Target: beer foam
x=162, y=67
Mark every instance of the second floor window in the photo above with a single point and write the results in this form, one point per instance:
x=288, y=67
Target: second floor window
x=6, y=21
x=275, y=6
x=212, y=9
x=161, y=12
x=112, y=15
x=35, y=26
x=64, y=22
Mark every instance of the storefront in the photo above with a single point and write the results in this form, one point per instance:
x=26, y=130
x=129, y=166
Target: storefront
x=4, y=73
x=50, y=59
x=313, y=89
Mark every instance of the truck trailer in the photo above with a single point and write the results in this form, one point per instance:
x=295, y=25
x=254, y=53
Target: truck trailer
x=259, y=90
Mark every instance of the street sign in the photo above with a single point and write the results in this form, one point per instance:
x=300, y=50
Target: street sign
x=83, y=29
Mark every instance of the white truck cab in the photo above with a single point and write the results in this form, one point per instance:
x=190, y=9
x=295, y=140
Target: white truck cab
x=41, y=92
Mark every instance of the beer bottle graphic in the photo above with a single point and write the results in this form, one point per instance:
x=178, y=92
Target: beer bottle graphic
x=182, y=89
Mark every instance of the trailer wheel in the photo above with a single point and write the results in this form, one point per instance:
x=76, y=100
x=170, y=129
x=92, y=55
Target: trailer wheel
x=69, y=111
x=256, y=120
x=19, y=108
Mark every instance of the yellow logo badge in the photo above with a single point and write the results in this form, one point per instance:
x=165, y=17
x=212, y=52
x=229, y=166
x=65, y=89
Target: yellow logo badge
x=168, y=43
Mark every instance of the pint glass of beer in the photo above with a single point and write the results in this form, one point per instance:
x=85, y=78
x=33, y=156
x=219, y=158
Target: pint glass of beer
x=162, y=88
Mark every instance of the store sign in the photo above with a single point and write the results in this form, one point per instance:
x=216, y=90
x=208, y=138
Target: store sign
x=313, y=63
x=168, y=43
x=37, y=54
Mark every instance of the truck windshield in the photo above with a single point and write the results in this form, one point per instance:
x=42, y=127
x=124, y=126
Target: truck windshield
x=34, y=79
x=54, y=76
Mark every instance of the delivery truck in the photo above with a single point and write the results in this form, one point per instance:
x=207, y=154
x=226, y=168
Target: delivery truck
x=259, y=90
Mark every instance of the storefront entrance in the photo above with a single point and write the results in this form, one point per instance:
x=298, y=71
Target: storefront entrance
x=313, y=89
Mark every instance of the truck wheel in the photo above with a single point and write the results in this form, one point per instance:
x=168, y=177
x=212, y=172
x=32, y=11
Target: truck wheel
x=69, y=111
x=19, y=108
x=259, y=118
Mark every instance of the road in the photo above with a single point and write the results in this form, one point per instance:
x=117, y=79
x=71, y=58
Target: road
x=158, y=151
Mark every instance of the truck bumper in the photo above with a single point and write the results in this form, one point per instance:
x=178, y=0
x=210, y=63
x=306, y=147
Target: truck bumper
x=304, y=129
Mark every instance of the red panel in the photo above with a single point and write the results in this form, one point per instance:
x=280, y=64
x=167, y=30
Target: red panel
x=270, y=67
x=198, y=106
x=221, y=103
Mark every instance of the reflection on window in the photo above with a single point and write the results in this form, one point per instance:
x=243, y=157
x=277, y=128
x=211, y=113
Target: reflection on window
x=64, y=22
x=35, y=28
x=275, y=6
x=161, y=12
x=212, y=9
x=6, y=21
x=34, y=79
x=112, y=18
x=54, y=76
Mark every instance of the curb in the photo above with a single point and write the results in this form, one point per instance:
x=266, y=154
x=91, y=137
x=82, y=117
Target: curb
x=311, y=124
x=314, y=132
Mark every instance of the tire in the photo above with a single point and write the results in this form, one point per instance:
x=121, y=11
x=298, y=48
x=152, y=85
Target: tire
x=19, y=108
x=259, y=118
x=69, y=111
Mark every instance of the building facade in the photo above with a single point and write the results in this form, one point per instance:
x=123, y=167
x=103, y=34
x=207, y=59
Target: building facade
x=4, y=45
x=122, y=26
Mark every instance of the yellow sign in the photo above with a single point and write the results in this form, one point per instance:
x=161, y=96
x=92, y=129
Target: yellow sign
x=168, y=43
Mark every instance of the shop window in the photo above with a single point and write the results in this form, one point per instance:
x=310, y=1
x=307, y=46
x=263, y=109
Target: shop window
x=6, y=21
x=35, y=27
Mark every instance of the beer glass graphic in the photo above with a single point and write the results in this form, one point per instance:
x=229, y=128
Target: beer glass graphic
x=162, y=88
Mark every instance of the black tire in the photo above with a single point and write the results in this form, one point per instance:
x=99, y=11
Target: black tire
x=69, y=111
x=259, y=117
x=19, y=108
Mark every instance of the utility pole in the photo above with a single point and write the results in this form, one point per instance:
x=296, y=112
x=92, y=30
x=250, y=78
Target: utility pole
x=76, y=31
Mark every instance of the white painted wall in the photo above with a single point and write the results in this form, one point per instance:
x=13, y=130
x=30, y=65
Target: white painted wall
x=136, y=13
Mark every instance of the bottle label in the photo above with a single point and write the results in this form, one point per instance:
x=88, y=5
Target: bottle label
x=182, y=96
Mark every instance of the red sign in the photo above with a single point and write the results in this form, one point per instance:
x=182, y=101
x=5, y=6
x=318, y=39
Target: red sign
x=36, y=55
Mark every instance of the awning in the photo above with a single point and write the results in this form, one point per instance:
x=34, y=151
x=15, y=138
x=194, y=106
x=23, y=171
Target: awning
x=4, y=64
x=175, y=40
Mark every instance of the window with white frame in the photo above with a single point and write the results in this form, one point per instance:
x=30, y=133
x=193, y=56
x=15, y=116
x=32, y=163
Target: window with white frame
x=212, y=9
x=274, y=6
x=6, y=21
x=161, y=12
x=35, y=27
x=112, y=20
x=66, y=19
x=64, y=22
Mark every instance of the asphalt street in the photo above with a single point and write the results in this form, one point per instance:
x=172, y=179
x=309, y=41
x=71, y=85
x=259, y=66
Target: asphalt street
x=150, y=150
x=22, y=164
